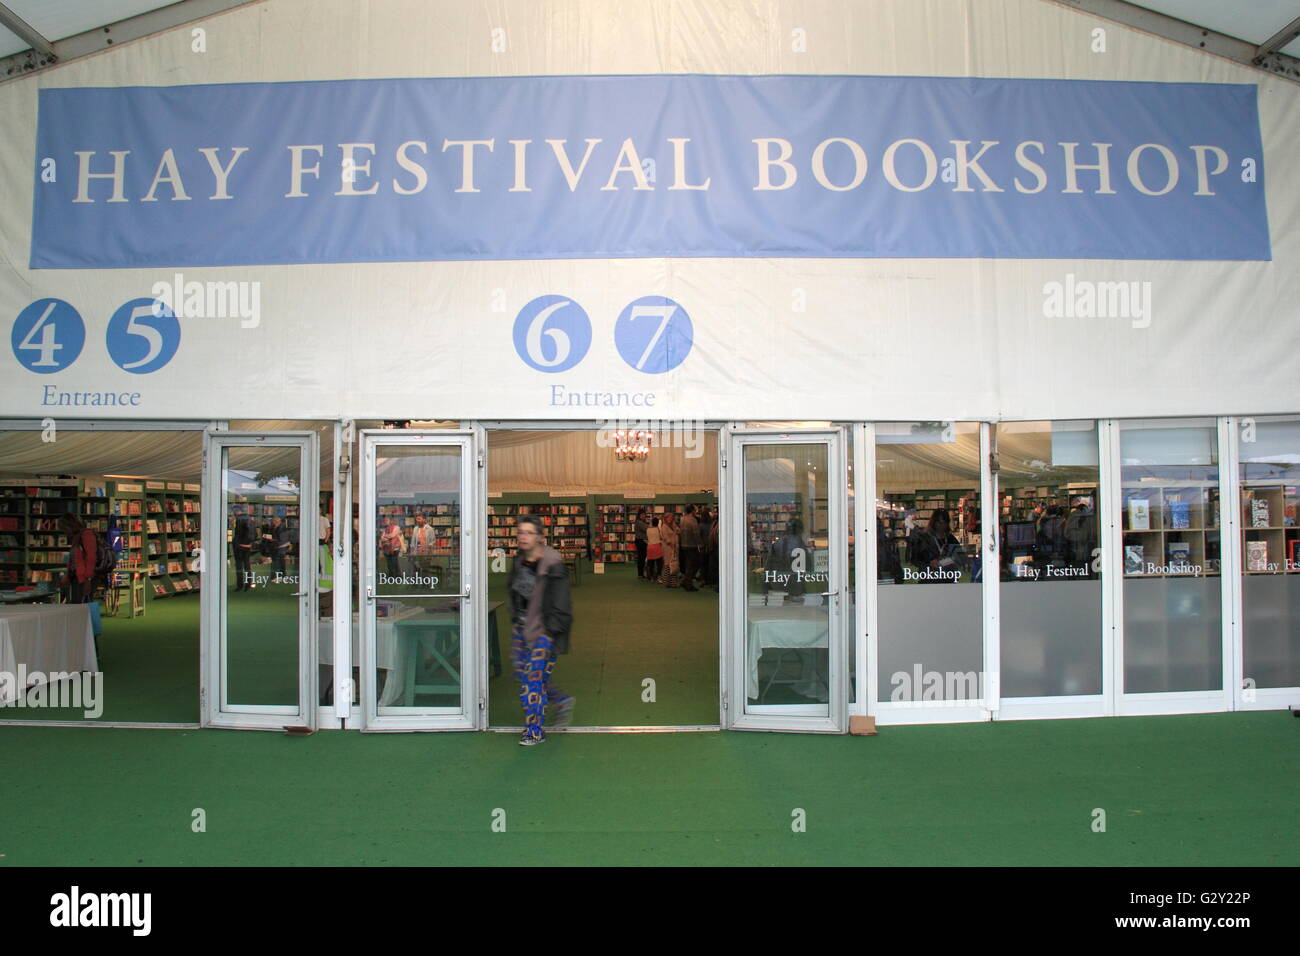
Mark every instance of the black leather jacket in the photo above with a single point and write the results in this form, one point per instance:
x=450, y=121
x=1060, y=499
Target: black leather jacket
x=557, y=608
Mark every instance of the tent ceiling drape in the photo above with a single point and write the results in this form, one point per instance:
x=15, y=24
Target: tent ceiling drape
x=559, y=462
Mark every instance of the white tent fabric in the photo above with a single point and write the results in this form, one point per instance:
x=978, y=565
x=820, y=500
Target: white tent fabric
x=782, y=338
x=575, y=463
x=545, y=462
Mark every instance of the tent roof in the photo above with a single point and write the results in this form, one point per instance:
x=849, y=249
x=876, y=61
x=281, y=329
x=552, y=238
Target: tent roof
x=38, y=34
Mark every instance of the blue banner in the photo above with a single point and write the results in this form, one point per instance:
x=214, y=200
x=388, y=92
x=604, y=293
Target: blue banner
x=646, y=166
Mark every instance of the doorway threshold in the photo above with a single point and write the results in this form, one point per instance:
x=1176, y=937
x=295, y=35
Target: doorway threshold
x=635, y=729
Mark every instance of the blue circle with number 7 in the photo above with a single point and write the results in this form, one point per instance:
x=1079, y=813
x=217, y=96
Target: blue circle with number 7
x=47, y=336
x=142, y=336
x=654, y=334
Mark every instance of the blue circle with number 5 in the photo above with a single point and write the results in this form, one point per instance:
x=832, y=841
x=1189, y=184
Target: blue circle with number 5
x=552, y=333
x=654, y=334
x=48, y=336
x=142, y=336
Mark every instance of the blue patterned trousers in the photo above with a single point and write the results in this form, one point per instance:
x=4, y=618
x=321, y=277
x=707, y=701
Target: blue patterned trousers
x=533, y=667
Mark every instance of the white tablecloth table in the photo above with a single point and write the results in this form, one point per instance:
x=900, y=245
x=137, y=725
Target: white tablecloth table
x=784, y=627
x=388, y=654
x=44, y=638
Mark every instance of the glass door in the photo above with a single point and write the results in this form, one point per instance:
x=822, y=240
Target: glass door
x=785, y=643
x=1170, y=601
x=1050, y=572
x=259, y=580
x=420, y=561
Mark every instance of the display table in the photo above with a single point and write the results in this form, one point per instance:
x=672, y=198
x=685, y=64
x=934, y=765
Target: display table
x=42, y=638
x=786, y=627
x=388, y=655
x=397, y=637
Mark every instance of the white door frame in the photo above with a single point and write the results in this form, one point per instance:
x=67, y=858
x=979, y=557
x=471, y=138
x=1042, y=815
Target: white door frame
x=888, y=712
x=1080, y=705
x=1245, y=697
x=213, y=595
x=733, y=569
x=1173, y=702
x=472, y=712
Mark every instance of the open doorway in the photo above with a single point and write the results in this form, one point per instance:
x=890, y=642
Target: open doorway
x=644, y=639
x=99, y=578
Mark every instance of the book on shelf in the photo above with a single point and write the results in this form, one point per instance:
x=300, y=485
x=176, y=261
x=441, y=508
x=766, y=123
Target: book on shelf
x=1179, y=555
x=1139, y=514
x=1259, y=512
x=1180, y=514
x=1293, y=554
x=1133, y=559
x=1256, y=555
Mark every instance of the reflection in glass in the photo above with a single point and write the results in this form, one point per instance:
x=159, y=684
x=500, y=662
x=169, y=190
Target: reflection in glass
x=1270, y=495
x=262, y=503
x=417, y=577
x=787, y=615
x=417, y=499
x=1051, y=588
x=1169, y=503
x=928, y=552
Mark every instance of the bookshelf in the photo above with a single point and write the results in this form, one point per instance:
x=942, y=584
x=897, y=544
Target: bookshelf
x=1029, y=502
x=963, y=508
x=615, y=538
x=1171, y=529
x=566, y=526
x=32, y=549
x=443, y=518
x=1270, y=538
x=159, y=526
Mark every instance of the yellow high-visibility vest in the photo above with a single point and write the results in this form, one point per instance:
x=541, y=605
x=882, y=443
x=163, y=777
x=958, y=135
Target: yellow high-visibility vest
x=325, y=569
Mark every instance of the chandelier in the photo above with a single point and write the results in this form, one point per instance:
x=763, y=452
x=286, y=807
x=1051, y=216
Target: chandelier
x=633, y=445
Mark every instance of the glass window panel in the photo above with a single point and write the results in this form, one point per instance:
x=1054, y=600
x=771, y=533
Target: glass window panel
x=417, y=499
x=1270, y=494
x=930, y=613
x=787, y=618
x=417, y=577
x=1169, y=501
x=262, y=501
x=1050, y=573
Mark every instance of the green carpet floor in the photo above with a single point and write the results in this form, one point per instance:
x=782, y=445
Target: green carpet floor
x=625, y=631
x=1177, y=791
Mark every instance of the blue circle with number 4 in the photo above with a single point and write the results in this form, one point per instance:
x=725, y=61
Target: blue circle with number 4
x=654, y=334
x=142, y=336
x=48, y=336
x=552, y=333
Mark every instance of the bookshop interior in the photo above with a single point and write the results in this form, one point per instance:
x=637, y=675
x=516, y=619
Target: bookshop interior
x=638, y=522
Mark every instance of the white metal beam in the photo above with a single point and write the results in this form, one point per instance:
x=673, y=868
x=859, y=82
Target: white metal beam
x=1192, y=35
x=25, y=31
x=45, y=54
x=1279, y=39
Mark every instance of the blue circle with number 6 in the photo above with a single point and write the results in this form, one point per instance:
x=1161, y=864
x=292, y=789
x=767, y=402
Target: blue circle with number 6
x=48, y=336
x=552, y=333
x=142, y=336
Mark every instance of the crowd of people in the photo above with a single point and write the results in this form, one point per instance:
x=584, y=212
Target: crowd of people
x=678, y=553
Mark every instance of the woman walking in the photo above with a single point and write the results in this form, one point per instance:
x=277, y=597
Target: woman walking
x=654, y=555
x=542, y=615
x=669, y=538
